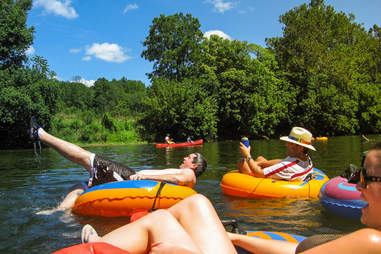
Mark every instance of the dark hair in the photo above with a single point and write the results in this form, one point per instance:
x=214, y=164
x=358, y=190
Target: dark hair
x=200, y=161
x=377, y=146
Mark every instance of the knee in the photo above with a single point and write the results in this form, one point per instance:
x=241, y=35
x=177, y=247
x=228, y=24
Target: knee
x=260, y=158
x=198, y=201
x=158, y=216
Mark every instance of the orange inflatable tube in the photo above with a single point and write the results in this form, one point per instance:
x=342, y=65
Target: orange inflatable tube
x=236, y=184
x=122, y=198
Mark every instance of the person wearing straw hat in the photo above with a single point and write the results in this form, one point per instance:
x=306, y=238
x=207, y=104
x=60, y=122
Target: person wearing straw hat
x=296, y=166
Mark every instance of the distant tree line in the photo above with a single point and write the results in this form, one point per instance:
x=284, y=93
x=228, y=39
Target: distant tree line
x=324, y=74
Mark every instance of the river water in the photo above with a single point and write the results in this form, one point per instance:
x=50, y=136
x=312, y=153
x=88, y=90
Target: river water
x=27, y=187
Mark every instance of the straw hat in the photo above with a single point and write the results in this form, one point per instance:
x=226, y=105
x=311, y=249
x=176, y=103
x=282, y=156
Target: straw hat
x=300, y=136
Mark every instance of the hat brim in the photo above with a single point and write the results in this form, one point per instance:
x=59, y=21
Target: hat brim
x=285, y=138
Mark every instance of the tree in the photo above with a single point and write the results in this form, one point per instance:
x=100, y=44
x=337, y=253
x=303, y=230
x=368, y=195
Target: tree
x=252, y=100
x=26, y=87
x=180, y=108
x=172, y=45
x=15, y=37
x=326, y=57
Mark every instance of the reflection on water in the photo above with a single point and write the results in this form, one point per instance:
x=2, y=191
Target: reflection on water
x=27, y=187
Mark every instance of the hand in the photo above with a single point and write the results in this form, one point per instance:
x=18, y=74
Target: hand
x=245, y=151
x=137, y=177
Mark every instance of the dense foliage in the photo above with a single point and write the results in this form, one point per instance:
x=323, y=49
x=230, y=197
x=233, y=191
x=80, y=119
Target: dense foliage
x=333, y=64
x=323, y=73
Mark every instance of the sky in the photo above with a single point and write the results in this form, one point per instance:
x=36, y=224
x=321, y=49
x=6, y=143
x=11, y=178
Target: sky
x=103, y=38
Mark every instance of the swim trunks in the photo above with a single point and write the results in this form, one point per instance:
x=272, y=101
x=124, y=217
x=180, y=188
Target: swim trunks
x=104, y=171
x=315, y=240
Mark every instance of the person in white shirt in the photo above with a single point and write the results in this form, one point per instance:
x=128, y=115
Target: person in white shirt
x=296, y=166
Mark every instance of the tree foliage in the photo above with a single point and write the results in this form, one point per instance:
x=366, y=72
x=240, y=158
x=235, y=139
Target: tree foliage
x=323, y=73
x=180, y=108
x=15, y=36
x=172, y=45
x=328, y=59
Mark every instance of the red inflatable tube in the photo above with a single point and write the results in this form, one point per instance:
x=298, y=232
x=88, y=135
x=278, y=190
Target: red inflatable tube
x=92, y=248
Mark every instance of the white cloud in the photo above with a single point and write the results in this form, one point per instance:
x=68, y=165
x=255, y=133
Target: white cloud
x=221, y=5
x=58, y=78
x=130, y=7
x=75, y=50
x=86, y=58
x=57, y=7
x=87, y=83
x=30, y=51
x=109, y=52
x=218, y=33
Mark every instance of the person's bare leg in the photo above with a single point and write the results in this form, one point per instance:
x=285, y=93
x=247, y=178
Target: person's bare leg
x=199, y=219
x=243, y=167
x=260, y=159
x=70, y=151
x=267, y=163
x=67, y=203
x=192, y=224
x=157, y=227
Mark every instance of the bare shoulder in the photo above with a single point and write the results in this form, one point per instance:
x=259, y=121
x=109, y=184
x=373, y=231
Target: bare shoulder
x=363, y=241
x=370, y=235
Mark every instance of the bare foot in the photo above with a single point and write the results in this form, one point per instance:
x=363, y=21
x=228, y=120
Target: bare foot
x=89, y=234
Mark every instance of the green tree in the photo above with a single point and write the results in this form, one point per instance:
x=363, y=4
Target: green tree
x=15, y=36
x=326, y=57
x=106, y=95
x=252, y=97
x=180, y=108
x=173, y=46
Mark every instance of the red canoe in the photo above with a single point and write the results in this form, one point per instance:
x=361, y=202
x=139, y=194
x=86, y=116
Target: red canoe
x=197, y=142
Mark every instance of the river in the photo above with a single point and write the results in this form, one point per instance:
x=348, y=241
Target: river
x=27, y=187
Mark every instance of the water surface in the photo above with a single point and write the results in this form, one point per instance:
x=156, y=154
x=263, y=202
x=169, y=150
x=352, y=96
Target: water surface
x=27, y=187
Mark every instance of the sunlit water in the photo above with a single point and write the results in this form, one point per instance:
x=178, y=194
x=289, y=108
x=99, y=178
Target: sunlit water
x=27, y=187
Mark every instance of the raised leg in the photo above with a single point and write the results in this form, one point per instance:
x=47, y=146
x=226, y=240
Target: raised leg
x=70, y=151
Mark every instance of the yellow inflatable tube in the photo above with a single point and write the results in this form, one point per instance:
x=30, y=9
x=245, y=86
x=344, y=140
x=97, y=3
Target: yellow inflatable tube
x=236, y=184
x=122, y=198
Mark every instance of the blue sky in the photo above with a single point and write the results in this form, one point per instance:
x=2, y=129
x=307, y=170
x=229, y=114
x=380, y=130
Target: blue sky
x=103, y=38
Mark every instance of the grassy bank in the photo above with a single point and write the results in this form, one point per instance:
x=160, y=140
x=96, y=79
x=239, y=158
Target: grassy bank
x=87, y=128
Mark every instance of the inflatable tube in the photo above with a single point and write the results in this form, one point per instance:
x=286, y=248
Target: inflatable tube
x=236, y=184
x=271, y=235
x=92, y=248
x=342, y=198
x=105, y=248
x=321, y=138
x=122, y=198
x=194, y=143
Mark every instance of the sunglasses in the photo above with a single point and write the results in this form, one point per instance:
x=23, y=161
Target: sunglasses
x=361, y=176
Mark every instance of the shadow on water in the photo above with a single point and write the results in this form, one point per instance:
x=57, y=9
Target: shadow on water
x=27, y=187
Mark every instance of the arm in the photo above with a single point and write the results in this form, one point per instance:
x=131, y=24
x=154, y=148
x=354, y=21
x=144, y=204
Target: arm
x=262, y=246
x=253, y=165
x=186, y=177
